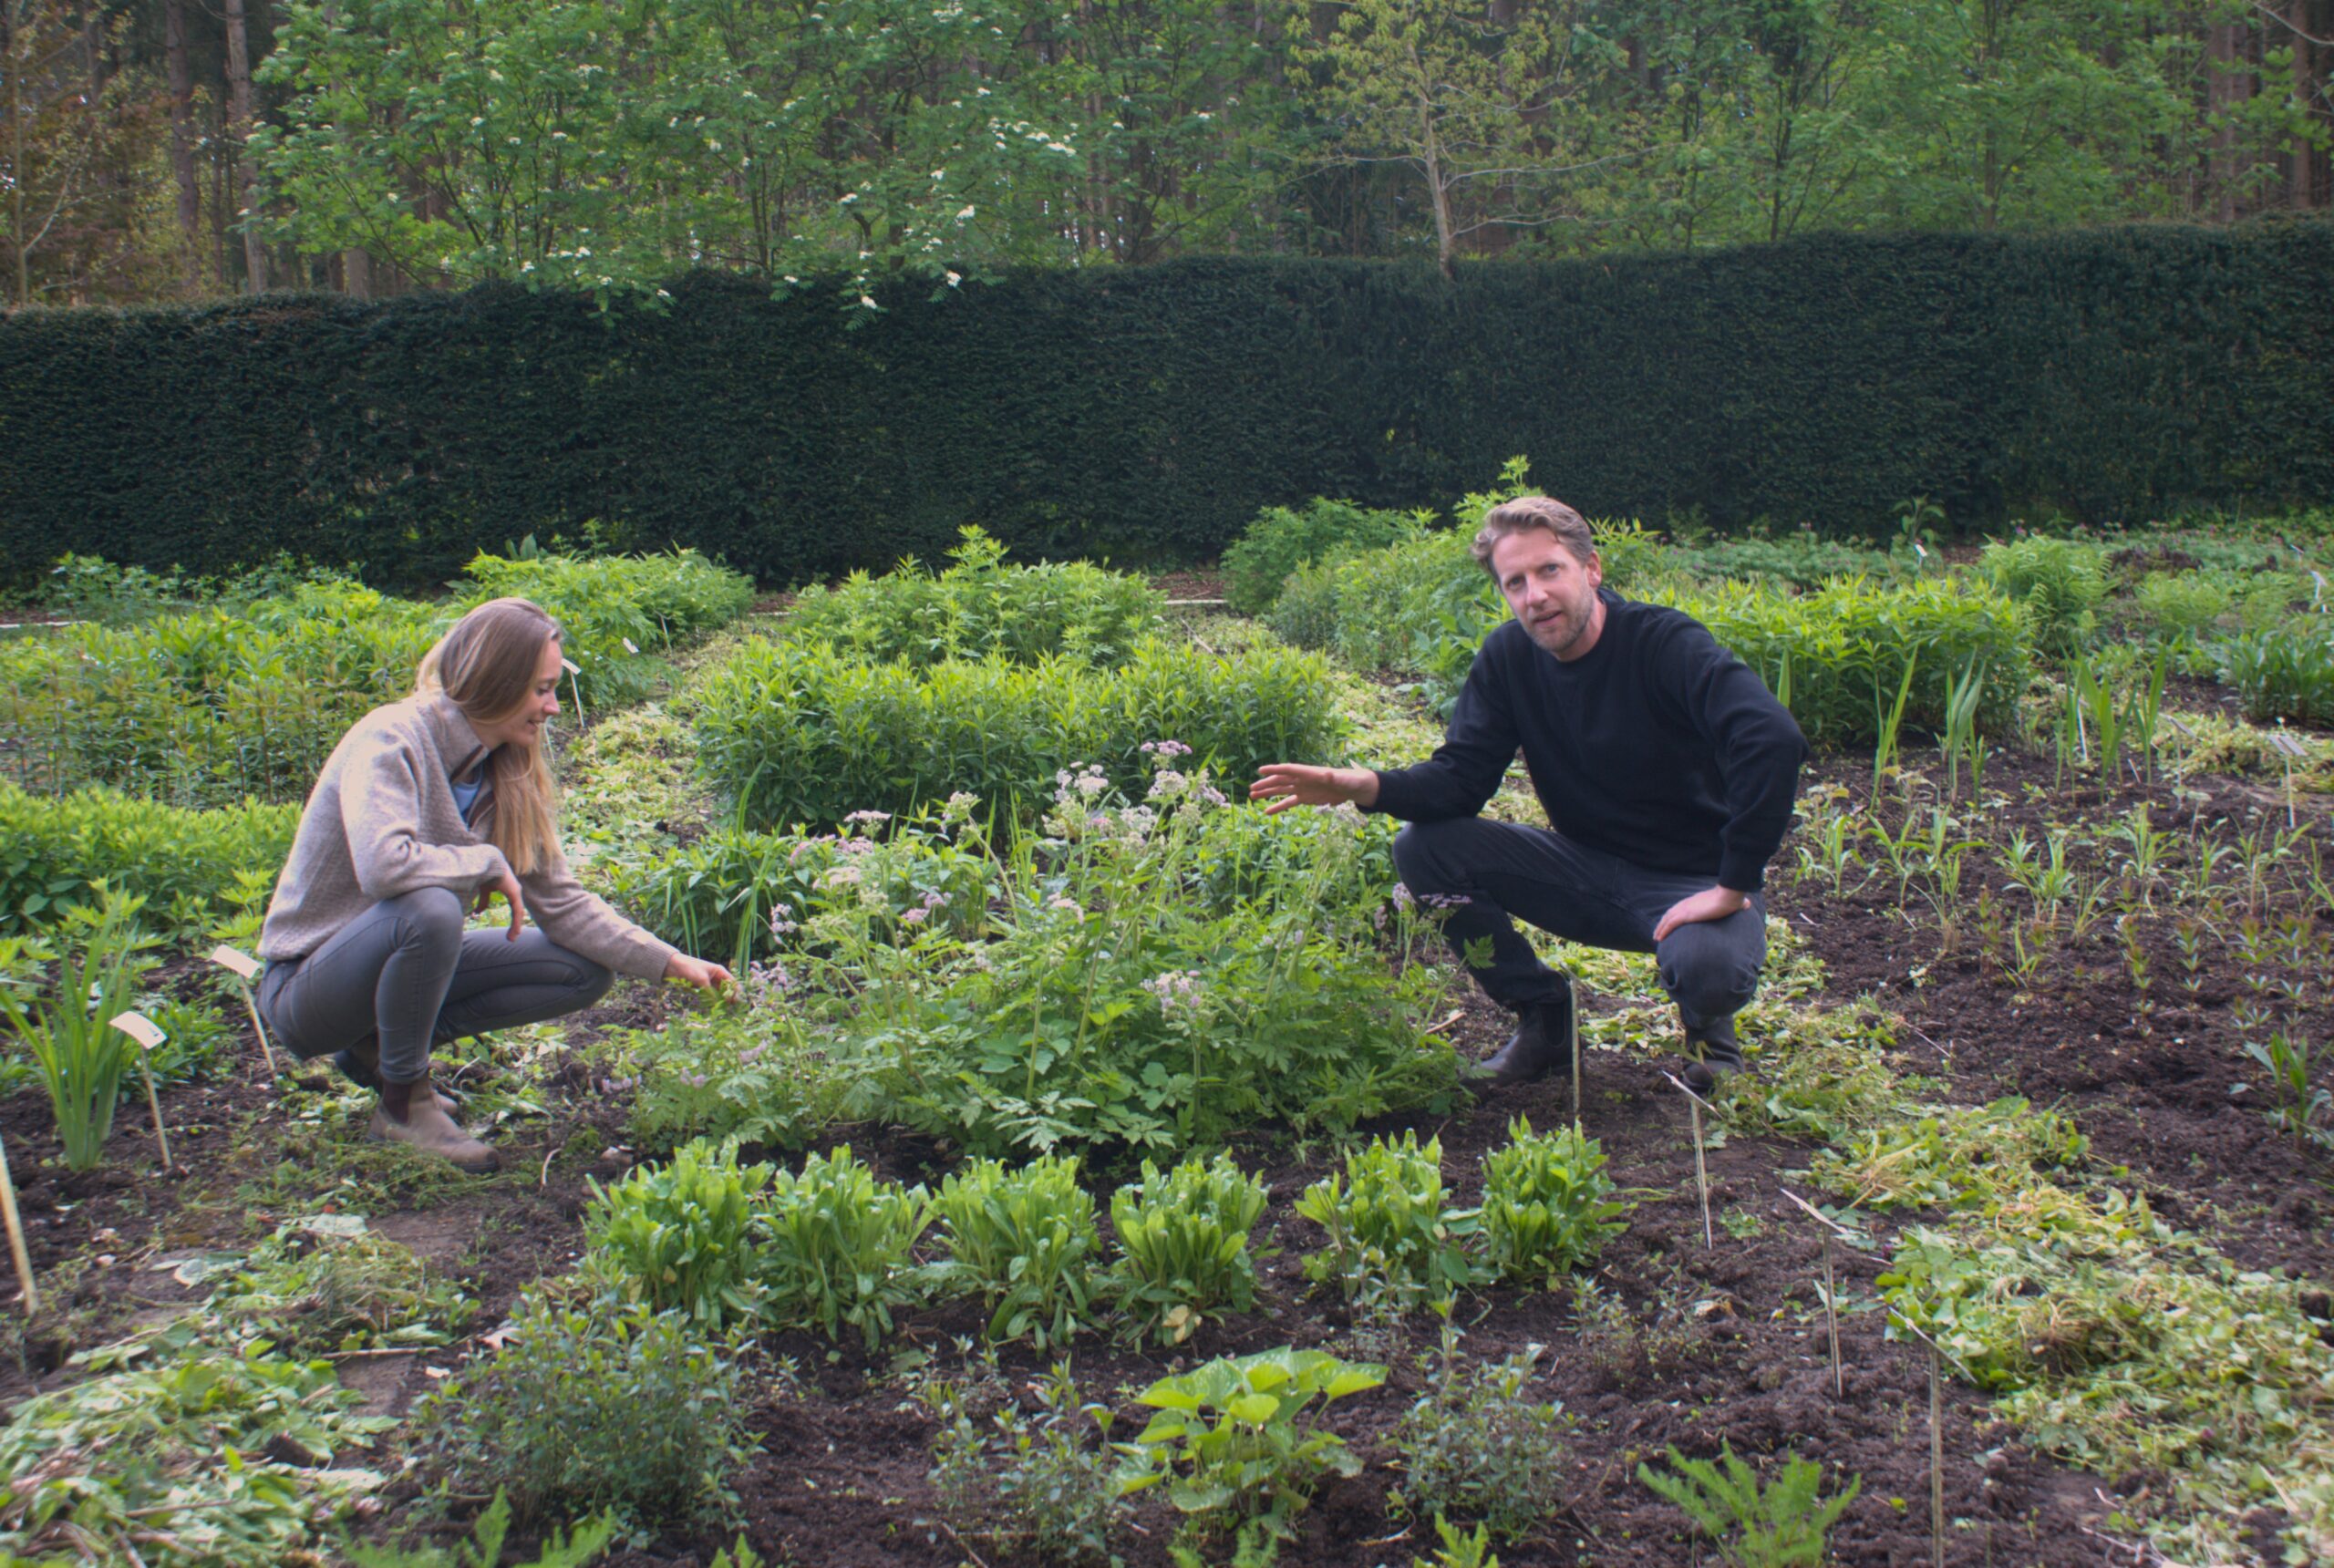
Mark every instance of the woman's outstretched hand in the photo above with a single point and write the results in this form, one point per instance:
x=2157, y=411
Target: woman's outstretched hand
x=696, y=972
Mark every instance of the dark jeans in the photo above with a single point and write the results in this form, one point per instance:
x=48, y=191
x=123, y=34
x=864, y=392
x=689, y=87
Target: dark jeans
x=1499, y=869
x=407, y=974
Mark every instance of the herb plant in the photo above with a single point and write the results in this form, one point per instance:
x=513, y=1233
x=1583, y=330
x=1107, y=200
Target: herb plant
x=681, y=1235
x=1548, y=1206
x=1183, y=1239
x=82, y=1059
x=837, y=1246
x=1393, y=1239
x=1779, y=1524
x=1472, y=1445
x=1032, y=1480
x=1023, y=1240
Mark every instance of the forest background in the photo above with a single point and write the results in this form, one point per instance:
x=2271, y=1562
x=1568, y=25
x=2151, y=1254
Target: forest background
x=177, y=151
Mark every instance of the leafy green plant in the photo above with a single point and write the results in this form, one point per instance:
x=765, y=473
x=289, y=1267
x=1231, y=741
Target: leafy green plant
x=1952, y=1156
x=2059, y=582
x=2290, y=1059
x=611, y=608
x=600, y=1405
x=1472, y=1445
x=2285, y=673
x=312, y=1289
x=1782, y=1522
x=1549, y=1207
x=1282, y=539
x=82, y=1057
x=1031, y=1482
x=680, y=1235
x=1241, y=1440
x=1460, y=1548
x=55, y=850
x=838, y=1247
x=1394, y=1240
x=1183, y=1239
x=1024, y=1241
x=484, y=1549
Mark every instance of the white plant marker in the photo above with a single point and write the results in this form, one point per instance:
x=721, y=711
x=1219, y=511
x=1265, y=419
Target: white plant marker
x=2291, y=750
x=1831, y=1290
x=630, y=646
x=17, y=1237
x=574, y=690
x=140, y=1028
x=1576, y=1061
x=245, y=967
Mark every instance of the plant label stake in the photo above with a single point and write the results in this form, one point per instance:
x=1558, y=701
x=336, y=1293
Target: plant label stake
x=17, y=1237
x=243, y=966
x=2289, y=749
x=1574, y=1032
x=574, y=689
x=1701, y=1170
x=1936, y=1453
x=1825, y=1227
x=140, y=1028
x=630, y=646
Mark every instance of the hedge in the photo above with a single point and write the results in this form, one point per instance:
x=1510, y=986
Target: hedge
x=1147, y=413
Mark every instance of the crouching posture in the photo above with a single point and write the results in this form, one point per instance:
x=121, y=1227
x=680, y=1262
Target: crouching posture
x=427, y=808
x=1667, y=770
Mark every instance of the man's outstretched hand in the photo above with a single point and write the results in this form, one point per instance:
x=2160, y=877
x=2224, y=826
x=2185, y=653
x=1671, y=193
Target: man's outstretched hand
x=1711, y=903
x=1285, y=784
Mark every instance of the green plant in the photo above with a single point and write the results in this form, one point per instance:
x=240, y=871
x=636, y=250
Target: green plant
x=1023, y=1239
x=1778, y=1523
x=680, y=1235
x=311, y=1290
x=1031, y=1482
x=56, y=850
x=602, y=1404
x=1240, y=1441
x=2285, y=673
x=838, y=1247
x=1393, y=1239
x=484, y=1549
x=1549, y=1207
x=2059, y=582
x=1953, y=1156
x=1460, y=1548
x=1473, y=1446
x=1282, y=539
x=1182, y=1240
x=82, y=1057
x=2290, y=1059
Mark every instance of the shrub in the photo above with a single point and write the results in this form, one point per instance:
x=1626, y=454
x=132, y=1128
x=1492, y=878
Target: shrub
x=1473, y=1446
x=1282, y=539
x=1549, y=1207
x=1033, y=1483
x=1184, y=1243
x=2287, y=674
x=1393, y=1239
x=604, y=603
x=1023, y=1239
x=1236, y=1439
x=56, y=849
x=980, y=608
x=839, y=1247
x=800, y=735
x=607, y=1405
x=2178, y=606
x=680, y=1235
x=2059, y=582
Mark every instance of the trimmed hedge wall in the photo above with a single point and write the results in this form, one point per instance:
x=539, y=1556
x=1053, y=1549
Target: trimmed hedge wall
x=1147, y=414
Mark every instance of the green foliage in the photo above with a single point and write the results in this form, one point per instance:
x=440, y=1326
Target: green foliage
x=980, y=608
x=1781, y=1524
x=55, y=849
x=2059, y=582
x=1549, y=1207
x=1282, y=539
x=2286, y=674
x=1460, y=1548
x=799, y=733
x=311, y=1291
x=136, y=1444
x=680, y=1235
x=1241, y=1439
x=1013, y=403
x=1023, y=1239
x=1958, y=1155
x=1394, y=1240
x=1183, y=1238
x=1031, y=1483
x=1474, y=1446
x=603, y=602
x=2178, y=607
x=837, y=1247
x=605, y=1405
x=1800, y=559
x=82, y=1059
x=484, y=1550
x=748, y=1073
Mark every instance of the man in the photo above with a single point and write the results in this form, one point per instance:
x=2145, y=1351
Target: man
x=1667, y=770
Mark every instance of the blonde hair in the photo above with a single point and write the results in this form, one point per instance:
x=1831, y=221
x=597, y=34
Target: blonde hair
x=487, y=664
x=1526, y=512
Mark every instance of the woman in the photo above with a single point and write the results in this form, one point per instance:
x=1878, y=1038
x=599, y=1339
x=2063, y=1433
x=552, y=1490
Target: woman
x=428, y=807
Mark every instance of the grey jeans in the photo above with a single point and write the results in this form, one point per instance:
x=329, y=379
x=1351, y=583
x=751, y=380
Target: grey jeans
x=405, y=973
x=1710, y=968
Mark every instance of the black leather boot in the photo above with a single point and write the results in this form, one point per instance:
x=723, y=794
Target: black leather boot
x=1541, y=1045
x=1713, y=1053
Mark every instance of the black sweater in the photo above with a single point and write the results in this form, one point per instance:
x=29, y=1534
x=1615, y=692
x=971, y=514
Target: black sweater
x=1656, y=746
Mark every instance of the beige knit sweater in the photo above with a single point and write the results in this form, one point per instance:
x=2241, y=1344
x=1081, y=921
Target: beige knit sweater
x=382, y=822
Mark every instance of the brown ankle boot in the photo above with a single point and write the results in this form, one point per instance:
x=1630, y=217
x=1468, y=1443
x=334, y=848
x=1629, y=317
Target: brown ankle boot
x=410, y=1114
x=360, y=1064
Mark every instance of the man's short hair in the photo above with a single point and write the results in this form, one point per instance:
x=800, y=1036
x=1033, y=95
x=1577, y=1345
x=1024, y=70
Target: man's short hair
x=1526, y=512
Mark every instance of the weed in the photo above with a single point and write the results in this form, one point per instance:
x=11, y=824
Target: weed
x=311, y=1291
x=1032, y=1482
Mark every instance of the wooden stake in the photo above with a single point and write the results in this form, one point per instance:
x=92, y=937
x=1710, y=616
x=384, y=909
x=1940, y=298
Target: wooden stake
x=242, y=967
x=1825, y=1226
x=1936, y=1452
x=140, y=1028
x=17, y=1237
x=1701, y=1172
x=1576, y=1061
x=574, y=689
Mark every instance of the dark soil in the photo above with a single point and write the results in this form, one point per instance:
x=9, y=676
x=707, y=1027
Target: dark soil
x=841, y=1477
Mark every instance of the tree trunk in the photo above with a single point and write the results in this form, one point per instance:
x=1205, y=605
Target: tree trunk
x=239, y=130
x=2224, y=49
x=181, y=77
x=16, y=38
x=2299, y=184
